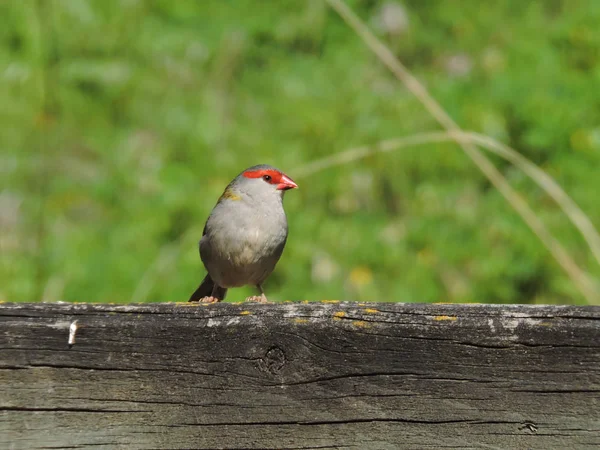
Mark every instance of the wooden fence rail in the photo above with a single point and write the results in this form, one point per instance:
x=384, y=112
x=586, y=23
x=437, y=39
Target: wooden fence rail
x=299, y=376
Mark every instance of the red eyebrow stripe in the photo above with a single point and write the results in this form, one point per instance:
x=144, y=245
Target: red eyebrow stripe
x=275, y=176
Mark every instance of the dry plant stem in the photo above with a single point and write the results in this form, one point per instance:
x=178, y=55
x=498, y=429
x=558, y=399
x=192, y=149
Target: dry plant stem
x=356, y=153
x=542, y=179
x=545, y=181
x=552, y=188
x=48, y=110
x=582, y=282
x=166, y=258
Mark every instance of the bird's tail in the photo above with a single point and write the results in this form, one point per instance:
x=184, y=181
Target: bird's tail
x=208, y=288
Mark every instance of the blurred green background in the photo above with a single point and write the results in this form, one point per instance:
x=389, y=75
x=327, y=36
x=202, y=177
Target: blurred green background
x=122, y=122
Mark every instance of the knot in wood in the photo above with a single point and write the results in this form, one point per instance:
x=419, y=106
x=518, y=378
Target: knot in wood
x=274, y=360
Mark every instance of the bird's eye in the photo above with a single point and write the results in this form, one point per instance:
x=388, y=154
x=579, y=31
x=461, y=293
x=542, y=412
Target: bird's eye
x=267, y=177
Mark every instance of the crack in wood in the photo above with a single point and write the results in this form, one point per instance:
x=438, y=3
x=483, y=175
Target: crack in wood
x=327, y=422
x=4, y=408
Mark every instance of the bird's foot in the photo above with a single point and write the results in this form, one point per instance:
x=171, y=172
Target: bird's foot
x=209, y=300
x=258, y=299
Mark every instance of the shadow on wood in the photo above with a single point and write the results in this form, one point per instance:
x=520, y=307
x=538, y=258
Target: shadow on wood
x=317, y=375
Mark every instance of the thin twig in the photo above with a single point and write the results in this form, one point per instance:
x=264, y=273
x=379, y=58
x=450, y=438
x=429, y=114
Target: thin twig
x=583, y=283
x=166, y=257
x=545, y=182
x=356, y=153
x=581, y=221
x=49, y=108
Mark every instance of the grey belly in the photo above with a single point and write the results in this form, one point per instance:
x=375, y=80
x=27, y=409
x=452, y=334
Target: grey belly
x=248, y=263
x=232, y=275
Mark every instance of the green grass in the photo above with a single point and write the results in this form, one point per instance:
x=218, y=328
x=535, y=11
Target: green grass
x=122, y=122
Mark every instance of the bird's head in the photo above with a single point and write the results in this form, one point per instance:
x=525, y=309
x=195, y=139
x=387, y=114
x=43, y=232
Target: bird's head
x=259, y=183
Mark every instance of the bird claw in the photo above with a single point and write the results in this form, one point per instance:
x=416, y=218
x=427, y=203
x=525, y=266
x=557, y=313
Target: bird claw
x=257, y=299
x=209, y=300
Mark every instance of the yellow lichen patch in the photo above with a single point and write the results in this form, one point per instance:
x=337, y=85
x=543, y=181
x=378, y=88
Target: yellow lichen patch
x=545, y=324
x=298, y=320
x=188, y=304
x=330, y=301
x=339, y=314
x=442, y=303
x=444, y=318
x=371, y=310
x=245, y=313
x=361, y=323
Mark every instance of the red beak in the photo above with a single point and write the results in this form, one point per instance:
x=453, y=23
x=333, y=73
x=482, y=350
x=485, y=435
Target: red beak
x=286, y=183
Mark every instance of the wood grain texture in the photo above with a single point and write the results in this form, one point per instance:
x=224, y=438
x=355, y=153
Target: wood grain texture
x=300, y=376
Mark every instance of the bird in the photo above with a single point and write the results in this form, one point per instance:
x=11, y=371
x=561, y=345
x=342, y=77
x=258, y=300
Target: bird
x=245, y=234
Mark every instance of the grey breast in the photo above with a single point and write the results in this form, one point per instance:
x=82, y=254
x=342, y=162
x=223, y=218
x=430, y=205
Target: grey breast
x=243, y=246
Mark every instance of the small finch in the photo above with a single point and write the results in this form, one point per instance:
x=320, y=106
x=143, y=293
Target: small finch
x=245, y=234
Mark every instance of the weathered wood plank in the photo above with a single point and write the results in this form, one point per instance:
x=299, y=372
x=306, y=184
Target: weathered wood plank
x=346, y=375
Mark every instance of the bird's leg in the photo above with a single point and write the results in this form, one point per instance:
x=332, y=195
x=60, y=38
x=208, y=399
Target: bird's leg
x=262, y=298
